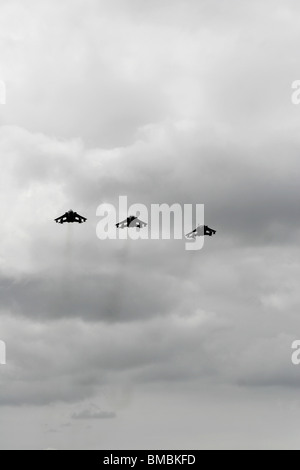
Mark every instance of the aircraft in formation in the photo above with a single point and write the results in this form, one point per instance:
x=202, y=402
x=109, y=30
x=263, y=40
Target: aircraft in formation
x=70, y=217
x=201, y=231
x=132, y=221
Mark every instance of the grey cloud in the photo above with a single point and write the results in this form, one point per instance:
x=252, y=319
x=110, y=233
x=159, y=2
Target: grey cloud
x=230, y=187
x=182, y=101
x=54, y=357
x=109, y=297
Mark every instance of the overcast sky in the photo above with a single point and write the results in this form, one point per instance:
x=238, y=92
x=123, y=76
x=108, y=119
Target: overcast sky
x=117, y=345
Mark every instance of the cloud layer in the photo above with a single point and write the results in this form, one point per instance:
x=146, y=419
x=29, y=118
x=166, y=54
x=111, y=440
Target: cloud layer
x=169, y=102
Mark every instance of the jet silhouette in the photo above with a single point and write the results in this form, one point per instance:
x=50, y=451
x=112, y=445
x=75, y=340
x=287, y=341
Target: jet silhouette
x=131, y=222
x=201, y=231
x=70, y=217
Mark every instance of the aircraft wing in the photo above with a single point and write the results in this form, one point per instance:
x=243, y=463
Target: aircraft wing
x=192, y=234
x=138, y=223
x=62, y=219
x=209, y=231
x=80, y=219
x=198, y=232
x=122, y=224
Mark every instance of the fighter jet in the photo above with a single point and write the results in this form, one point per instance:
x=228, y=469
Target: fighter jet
x=131, y=222
x=70, y=218
x=201, y=231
